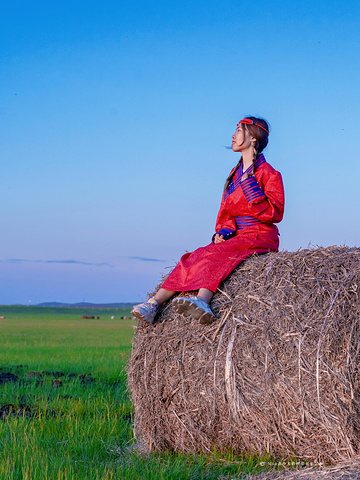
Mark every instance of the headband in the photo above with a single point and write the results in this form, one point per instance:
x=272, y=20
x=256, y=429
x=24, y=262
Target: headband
x=248, y=121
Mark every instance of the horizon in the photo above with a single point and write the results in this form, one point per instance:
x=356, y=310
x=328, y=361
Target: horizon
x=66, y=304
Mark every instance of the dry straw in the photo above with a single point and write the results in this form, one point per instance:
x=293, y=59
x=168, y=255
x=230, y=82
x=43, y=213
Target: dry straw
x=278, y=372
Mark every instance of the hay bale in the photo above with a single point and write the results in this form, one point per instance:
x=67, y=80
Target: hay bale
x=278, y=372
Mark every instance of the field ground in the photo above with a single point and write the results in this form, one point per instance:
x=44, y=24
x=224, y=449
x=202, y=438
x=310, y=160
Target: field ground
x=64, y=409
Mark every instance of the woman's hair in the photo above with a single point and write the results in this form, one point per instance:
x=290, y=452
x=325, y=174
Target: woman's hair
x=261, y=140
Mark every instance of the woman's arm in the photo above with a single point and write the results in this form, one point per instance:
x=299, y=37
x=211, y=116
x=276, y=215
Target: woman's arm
x=225, y=222
x=265, y=197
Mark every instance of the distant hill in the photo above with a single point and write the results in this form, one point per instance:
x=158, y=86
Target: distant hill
x=86, y=305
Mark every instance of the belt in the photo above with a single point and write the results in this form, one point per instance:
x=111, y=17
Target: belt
x=243, y=222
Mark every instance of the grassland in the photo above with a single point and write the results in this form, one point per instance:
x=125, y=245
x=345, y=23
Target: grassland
x=64, y=409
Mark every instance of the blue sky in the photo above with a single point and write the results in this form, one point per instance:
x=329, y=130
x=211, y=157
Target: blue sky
x=114, y=118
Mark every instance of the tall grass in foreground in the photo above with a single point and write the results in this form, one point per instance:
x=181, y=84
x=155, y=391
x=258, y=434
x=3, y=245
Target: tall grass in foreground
x=64, y=409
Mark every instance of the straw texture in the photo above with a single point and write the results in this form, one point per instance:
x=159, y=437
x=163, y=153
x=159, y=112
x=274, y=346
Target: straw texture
x=278, y=372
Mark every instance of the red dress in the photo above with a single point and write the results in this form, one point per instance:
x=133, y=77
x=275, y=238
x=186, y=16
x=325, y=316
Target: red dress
x=248, y=211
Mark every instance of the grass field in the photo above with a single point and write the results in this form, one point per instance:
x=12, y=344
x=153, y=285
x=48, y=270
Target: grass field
x=64, y=409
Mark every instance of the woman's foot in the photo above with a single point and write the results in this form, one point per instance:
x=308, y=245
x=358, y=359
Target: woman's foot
x=146, y=311
x=196, y=307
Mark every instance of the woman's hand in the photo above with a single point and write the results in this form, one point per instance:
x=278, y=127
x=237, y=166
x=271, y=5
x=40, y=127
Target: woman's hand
x=218, y=238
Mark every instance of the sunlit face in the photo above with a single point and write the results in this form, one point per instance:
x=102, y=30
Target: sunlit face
x=241, y=139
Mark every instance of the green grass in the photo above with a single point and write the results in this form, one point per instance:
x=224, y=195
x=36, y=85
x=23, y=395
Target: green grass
x=65, y=411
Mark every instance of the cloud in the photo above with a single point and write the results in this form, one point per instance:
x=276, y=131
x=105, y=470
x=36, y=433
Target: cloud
x=145, y=259
x=68, y=262
x=15, y=260
x=75, y=262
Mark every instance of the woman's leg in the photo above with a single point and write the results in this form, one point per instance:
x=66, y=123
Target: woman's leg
x=163, y=296
x=147, y=310
x=197, y=307
x=205, y=294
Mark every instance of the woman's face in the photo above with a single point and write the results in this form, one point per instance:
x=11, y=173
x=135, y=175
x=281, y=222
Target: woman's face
x=241, y=139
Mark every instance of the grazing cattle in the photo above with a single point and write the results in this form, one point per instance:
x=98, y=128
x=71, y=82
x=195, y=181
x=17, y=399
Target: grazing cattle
x=2, y=317
x=86, y=317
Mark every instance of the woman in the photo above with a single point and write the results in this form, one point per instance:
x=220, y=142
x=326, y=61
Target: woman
x=253, y=200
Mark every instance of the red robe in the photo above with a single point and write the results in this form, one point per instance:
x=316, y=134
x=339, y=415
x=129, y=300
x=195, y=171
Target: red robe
x=249, y=209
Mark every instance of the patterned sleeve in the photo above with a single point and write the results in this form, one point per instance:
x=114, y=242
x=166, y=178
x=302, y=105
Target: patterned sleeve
x=266, y=199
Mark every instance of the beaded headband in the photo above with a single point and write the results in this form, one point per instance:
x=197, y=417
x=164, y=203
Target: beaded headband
x=248, y=121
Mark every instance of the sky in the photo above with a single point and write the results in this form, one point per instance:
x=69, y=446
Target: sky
x=114, y=120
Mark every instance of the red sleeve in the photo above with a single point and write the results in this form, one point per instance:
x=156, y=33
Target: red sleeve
x=266, y=196
x=224, y=219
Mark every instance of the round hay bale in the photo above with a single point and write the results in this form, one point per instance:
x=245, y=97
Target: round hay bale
x=278, y=372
